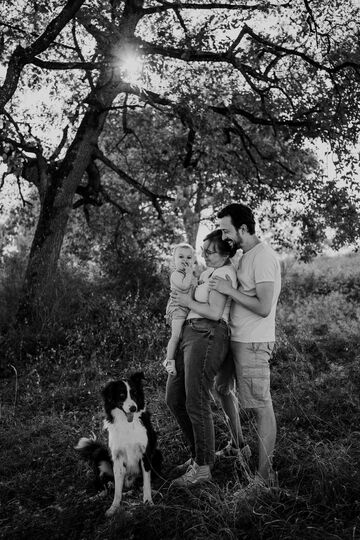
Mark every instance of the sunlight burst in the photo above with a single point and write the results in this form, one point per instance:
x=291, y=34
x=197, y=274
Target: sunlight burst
x=131, y=66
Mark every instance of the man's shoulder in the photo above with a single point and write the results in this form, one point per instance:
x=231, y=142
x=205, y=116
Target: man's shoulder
x=264, y=250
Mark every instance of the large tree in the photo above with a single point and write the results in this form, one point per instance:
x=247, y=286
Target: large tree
x=238, y=88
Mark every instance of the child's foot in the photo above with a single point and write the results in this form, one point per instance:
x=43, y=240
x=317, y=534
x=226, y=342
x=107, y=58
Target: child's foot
x=169, y=365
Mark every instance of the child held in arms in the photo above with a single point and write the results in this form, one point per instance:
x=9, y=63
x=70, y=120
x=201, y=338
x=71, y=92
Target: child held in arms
x=182, y=278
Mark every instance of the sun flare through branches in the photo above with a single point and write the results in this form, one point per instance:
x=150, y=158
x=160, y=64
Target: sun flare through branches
x=131, y=68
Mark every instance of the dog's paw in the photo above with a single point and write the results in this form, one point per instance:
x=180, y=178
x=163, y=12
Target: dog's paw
x=148, y=500
x=111, y=511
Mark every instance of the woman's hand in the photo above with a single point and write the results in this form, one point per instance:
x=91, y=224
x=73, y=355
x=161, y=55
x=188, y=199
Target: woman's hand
x=181, y=299
x=221, y=285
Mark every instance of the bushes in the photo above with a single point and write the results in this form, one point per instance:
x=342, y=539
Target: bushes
x=120, y=314
x=126, y=332
x=319, y=308
x=316, y=392
x=321, y=277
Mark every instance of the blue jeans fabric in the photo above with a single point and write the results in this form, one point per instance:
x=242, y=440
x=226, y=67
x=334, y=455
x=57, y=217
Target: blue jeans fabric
x=202, y=349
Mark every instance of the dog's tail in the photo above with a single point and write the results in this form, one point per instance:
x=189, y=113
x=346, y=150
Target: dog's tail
x=98, y=457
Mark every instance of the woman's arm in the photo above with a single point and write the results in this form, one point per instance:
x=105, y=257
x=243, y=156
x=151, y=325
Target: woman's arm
x=212, y=309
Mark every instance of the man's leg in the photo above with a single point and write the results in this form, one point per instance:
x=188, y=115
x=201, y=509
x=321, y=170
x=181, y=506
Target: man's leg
x=224, y=391
x=266, y=431
x=253, y=378
x=230, y=407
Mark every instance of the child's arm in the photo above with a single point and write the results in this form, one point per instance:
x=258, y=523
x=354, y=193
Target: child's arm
x=181, y=279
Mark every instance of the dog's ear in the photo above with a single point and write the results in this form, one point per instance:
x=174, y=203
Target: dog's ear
x=108, y=393
x=137, y=378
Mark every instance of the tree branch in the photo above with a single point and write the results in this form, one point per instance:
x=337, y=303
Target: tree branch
x=165, y=6
x=307, y=59
x=62, y=66
x=228, y=111
x=22, y=56
x=79, y=52
x=61, y=144
x=189, y=148
x=109, y=199
x=154, y=198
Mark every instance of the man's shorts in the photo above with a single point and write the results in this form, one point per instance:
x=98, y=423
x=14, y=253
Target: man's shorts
x=253, y=372
x=249, y=362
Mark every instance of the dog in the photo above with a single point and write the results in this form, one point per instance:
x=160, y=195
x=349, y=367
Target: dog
x=132, y=440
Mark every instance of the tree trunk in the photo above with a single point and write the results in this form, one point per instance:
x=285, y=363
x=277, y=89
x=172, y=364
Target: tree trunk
x=56, y=206
x=191, y=212
x=191, y=221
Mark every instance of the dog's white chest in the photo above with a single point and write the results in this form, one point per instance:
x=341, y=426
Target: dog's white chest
x=127, y=440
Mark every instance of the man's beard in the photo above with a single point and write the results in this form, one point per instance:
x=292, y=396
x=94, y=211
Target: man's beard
x=231, y=243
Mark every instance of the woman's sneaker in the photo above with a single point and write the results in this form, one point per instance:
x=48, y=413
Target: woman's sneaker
x=196, y=474
x=243, y=453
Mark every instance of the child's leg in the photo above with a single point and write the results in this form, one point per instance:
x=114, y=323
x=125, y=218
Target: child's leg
x=176, y=327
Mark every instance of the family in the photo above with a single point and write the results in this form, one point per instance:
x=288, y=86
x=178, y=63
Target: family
x=222, y=331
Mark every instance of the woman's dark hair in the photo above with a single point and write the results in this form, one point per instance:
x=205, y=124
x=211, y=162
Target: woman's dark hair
x=240, y=214
x=222, y=247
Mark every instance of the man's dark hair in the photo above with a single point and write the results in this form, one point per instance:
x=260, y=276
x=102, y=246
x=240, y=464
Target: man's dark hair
x=240, y=214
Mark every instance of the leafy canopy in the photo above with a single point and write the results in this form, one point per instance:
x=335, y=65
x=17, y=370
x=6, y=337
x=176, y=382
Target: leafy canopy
x=212, y=101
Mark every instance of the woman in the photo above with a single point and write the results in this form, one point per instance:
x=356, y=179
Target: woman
x=203, y=346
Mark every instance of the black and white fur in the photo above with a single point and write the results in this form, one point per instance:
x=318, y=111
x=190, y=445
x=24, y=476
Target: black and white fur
x=132, y=440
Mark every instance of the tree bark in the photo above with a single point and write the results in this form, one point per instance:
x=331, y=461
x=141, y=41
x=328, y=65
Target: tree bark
x=191, y=213
x=57, y=202
x=191, y=221
x=56, y=206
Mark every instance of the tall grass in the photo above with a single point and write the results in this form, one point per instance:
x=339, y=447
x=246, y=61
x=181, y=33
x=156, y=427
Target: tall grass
x=46, y=492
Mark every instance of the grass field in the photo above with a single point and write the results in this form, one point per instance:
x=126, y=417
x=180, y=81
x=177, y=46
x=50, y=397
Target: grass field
x=46, y=492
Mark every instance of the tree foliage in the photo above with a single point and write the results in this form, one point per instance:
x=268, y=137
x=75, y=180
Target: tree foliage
x=229, y=102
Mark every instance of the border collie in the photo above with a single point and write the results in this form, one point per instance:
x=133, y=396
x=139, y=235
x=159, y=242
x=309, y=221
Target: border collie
x=132, y=440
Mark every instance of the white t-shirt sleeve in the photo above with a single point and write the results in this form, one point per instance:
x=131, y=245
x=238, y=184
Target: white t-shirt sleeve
x=224, y=271
x=265, y=267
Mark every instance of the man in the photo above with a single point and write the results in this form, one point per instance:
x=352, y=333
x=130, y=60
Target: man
x=252, y=324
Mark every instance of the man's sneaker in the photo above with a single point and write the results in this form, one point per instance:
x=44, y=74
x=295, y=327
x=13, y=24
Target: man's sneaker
x=195, y=475
x=183, y=467
x=243, y=453
x=257, y=485
x=271, y=482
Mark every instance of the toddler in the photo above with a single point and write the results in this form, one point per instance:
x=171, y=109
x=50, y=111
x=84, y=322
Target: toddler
x=182, y=279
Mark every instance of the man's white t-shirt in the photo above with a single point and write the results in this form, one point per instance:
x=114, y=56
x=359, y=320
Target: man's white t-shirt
x=202, y=290
x=259, y=264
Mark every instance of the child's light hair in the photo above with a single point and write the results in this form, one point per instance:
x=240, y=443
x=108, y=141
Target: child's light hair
x=175, y=248
x=183, y=245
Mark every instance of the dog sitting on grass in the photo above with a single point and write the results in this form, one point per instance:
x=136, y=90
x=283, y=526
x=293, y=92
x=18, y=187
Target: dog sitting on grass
x=132, y=440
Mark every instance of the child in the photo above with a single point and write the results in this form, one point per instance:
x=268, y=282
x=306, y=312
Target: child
x=181, y=279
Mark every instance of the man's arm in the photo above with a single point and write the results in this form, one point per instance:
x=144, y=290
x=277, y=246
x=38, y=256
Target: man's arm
x=259, y=304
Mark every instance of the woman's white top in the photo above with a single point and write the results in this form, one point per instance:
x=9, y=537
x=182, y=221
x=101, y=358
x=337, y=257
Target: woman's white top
x=202, y=290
